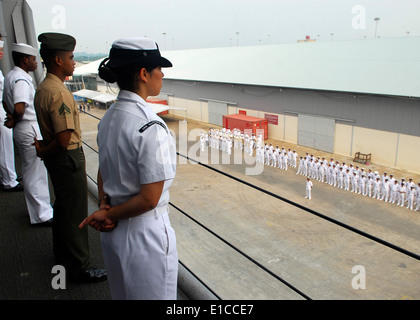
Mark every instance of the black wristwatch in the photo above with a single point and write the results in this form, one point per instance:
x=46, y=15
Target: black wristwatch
x=107, y=198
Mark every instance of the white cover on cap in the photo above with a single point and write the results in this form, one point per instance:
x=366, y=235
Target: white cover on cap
x=135, y=43
x=24, y=48
x=1, y=44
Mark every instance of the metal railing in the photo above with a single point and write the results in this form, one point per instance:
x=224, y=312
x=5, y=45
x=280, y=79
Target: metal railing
x=188, y=282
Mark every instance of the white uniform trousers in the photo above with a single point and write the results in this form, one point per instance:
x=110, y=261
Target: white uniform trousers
x=35, y=177
x=141, y=258
x=376, y=192
x=7, y=155
x=308, y=193
x=417, y=203
x=362, y=189
x=369, y=190
x=410, y=201
x=401, y=199
x=284, y=163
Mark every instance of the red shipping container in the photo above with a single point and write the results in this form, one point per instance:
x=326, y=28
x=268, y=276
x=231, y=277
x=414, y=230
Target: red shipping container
x=244, y=122
x=158, y=101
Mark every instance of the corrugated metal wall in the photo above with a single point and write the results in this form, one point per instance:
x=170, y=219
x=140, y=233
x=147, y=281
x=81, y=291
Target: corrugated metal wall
x=374, y=112
x=216, y=112
x=316, y=132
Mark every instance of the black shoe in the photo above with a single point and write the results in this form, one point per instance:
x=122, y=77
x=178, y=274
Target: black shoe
x=18, y=188
x=91, y=275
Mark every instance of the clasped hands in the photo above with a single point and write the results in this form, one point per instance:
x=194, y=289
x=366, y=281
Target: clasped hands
x=99, y=220
x=9, y=121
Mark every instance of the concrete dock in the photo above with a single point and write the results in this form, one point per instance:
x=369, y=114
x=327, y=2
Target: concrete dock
x=319, y=258
x=315, y=256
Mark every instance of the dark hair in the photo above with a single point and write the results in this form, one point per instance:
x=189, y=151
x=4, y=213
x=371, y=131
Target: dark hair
x=124, y=77
x=18, y=57
x=48, y=55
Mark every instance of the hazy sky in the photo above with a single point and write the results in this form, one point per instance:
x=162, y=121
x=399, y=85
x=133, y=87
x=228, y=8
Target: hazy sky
x=189, y=24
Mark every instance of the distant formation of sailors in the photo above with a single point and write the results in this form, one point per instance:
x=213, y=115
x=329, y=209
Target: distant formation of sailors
x=226, y=139
x=367, y=183
x=346, y=177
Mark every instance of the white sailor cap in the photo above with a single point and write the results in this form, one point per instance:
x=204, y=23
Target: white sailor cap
x=135, y=51
x=24, y=48
x=1, y=44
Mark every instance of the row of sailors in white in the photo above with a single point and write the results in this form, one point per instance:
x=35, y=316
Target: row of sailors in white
x=371, y=184
x=276, y=157
x=224, y=139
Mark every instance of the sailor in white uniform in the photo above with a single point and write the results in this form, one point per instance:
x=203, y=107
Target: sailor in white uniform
x=362, y=185
x=276, y=157
x=403, y=191
x=306, y=164
x=377, y=188
x=417, y=197
x=229, y=145
x=259, y=140
x=289, y=157
x=7, y=154
x=340, y=178
x=347, y=179
x=251, y=144
x=369, y=186
x=385, y=190
x=410, y=198
x=202, y=141
x=301, y=166
x=334, y=175
x=137, y=164
x=266, y=154
x=371, y=174
x=327, y=173
x=354, y=182
x=362, y=173
x=409, y=185
x=260, y=154
x=246, y=143
x=294, y=158
x=19, y=98
x=309, y=186
x=394, y=192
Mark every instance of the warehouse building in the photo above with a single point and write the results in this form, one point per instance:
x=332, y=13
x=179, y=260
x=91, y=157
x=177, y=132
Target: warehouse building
x=341, y=97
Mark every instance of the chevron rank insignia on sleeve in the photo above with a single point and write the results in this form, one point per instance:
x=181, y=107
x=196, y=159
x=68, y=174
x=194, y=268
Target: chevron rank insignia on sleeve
x=64, y=110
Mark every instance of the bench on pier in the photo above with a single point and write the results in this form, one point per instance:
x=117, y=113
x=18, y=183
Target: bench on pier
x=362, y=157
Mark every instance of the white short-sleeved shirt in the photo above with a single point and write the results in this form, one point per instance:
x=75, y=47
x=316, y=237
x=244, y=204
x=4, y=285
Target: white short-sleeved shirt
x=2, y=112
x=135, y=148
x=18, y=87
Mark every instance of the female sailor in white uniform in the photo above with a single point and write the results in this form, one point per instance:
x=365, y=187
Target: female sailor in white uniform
x=136, y=169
